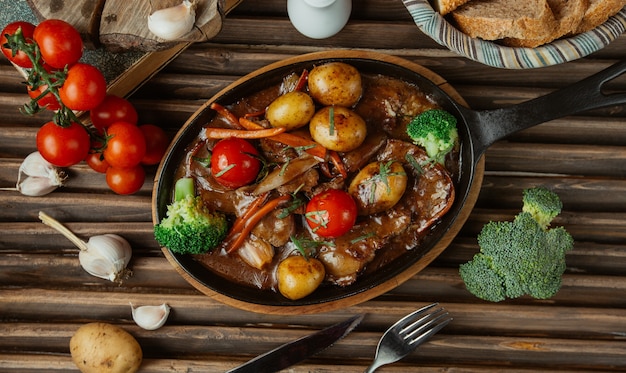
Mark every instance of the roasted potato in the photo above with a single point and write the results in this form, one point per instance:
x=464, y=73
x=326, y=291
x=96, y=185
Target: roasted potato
x=100, y=347
x=291, y=110
x=335, y=83
x=338, y=128
x=378, y=187
x=299, y=276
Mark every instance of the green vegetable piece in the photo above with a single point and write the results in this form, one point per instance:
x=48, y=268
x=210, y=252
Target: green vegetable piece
x=435, y=130
x=520, y=257
x=190, y=227
x=543, y=204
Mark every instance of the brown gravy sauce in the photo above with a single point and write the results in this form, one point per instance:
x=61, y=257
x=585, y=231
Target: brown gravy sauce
x=387, y=105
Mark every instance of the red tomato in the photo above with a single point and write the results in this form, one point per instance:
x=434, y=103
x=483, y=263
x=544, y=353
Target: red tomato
x=125, y=146
x=20, y=58
x=60, y=43
x=157, y=142
x=113, y=109
x=125, y=180
x=331, y=213
x=63, y=146
x=84, y=87
x=235, y=162
x=97, y=162
x=49, y=101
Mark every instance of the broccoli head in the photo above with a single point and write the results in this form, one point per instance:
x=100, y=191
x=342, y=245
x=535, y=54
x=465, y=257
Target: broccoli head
x=516, y=258
x=543, y=204
x=434, y=130
x=190, y=227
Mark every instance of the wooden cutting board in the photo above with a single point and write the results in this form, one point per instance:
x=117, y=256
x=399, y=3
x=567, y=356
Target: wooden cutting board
x=122, y=25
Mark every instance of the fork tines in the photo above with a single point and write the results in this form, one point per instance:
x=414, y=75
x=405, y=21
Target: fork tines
x=423, y=328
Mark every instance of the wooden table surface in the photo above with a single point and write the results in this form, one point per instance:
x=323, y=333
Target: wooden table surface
x=45, y=295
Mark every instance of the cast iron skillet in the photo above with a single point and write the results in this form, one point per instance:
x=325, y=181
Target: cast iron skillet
x=477, y=130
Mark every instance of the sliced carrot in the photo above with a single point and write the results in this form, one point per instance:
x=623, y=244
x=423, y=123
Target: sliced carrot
x=302, y=80
x=240, y=221
x=223, y=133
x=254, y=114
x=338, y=163
x=289, y=139
x=252, y=221
x=221, y=110
x=248, y=124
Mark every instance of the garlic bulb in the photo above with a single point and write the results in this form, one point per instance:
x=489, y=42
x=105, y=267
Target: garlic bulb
x=37, y=177
x=105, y=256
x=174, y=22
x=150, y=317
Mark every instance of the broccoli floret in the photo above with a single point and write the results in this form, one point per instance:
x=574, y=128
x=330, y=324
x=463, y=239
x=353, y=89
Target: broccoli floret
x=543, y=204
x=434, y=130
x=518, y=257
x=190, y=227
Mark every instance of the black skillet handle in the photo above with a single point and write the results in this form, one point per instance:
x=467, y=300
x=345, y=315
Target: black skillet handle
x=494, y=125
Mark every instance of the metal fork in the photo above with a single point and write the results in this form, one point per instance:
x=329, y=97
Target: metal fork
x=411, y=331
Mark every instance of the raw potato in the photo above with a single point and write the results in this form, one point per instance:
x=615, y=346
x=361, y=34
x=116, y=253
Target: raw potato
x=347, y=132
x=375, y=191
x=291, y=110
x=101, y=347
x=299, y=276
x=335, y=83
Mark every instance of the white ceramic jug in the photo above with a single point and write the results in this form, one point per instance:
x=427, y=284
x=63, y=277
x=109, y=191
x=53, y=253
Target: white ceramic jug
x=319, y=19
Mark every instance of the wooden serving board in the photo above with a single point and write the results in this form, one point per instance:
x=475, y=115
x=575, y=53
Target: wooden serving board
x=122, y=25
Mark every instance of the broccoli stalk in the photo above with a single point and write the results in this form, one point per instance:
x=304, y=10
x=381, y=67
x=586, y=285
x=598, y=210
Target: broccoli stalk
x=522, y=256
x=190, y=227
x=434, y=130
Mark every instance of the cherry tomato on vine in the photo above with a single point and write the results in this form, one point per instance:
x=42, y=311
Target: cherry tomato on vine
x=97, y=162
x=157, y=142
x=84, y=87
x=125, y=145
x=235, y=162
x=125, y=180
x=49, y=101
x=59, y=42
x=331, y=213
x=113, y=109
x=63, y=146
x=19, y=58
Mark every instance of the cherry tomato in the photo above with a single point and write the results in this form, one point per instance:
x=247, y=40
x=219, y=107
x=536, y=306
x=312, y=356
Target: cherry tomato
x=125, y=146
x=235, y=162
x=331, y=213
x=49, y=101
x=97, y=162
x=113, y=109
x=20, y=58
x=125, y=180
x=63, y=146
x=84, y=87
x=60, y=43
x=157, y=142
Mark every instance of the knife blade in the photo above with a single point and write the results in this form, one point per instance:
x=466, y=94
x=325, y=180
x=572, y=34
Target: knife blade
x=293, y=352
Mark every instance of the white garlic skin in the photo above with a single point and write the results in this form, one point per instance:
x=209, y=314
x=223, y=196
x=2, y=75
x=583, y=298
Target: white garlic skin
x=106, y=257
x=38, y=177
x=174, y=22
x=150, y=317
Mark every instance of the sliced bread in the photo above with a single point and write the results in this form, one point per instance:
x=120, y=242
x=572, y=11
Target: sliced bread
x=568, y=14
x=446, y=6
x=598, y=12
x=499, y=19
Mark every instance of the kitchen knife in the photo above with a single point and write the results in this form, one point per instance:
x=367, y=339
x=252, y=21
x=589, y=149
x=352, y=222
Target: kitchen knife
x=298, y=350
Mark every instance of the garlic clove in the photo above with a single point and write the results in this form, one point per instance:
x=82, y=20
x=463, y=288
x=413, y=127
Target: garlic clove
x=35, y=186
x=106, y=257
x=150, y=317
x=173, y=22
x=38, y=177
